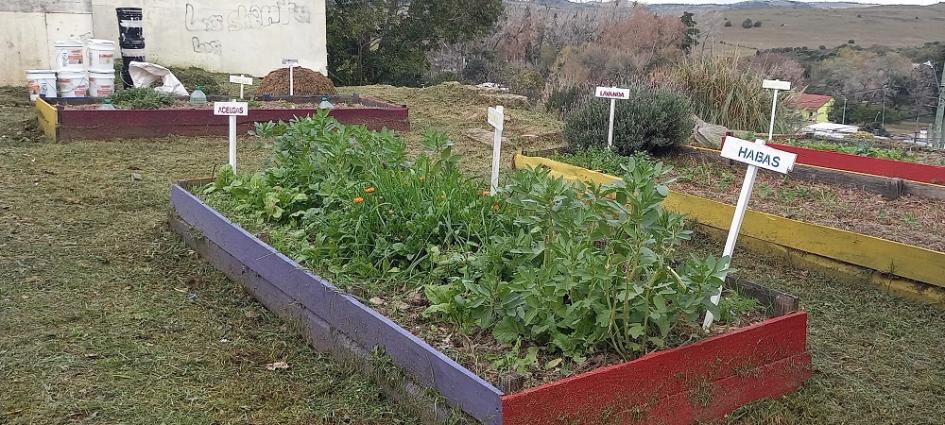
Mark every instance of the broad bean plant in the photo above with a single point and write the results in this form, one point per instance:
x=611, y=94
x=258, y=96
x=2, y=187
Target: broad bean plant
x=571, y=267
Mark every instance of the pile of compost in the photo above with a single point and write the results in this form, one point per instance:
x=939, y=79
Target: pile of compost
x=307, y=83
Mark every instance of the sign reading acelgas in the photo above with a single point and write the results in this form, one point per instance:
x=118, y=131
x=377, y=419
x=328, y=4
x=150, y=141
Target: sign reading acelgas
x=231, y=108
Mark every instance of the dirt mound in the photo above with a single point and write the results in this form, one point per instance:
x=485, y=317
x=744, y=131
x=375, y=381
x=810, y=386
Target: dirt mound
x=307, y=83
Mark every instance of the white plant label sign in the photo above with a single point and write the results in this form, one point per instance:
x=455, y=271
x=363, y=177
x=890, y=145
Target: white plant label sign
x=231, y=110
x=242, y=80
x=758, y=155
x=612, y=93
x=496, y=118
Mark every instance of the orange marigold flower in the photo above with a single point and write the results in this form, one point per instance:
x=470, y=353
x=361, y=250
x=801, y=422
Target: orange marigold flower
x=495, y=206
x=369, y=189
x=485, y=193
x=358, y=200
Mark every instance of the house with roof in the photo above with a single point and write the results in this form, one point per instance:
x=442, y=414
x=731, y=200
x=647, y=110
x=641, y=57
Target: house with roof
x=813, y=107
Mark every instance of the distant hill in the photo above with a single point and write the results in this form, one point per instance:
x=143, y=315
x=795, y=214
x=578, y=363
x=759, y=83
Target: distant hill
x=788, y=23
x=672, y=7
x=891, y=26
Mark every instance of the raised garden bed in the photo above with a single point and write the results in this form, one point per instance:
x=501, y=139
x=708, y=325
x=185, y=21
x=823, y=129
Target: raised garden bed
x=905, y=269
x=696, y=382
x=69, y=119
x=866, y=165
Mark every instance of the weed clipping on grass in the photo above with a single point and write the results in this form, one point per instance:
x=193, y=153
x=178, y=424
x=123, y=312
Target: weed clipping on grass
x=569, y=268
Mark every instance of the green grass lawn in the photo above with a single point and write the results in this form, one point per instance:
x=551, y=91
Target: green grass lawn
x=106, y=317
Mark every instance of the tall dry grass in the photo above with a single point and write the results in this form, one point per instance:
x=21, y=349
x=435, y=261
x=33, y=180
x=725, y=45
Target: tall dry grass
x=727, y=94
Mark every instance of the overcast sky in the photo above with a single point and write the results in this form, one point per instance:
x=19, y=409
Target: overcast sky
x=922, y=2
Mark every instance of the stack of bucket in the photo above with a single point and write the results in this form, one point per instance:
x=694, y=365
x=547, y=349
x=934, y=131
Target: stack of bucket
x=71, y=79
x=130, y=39
x=101, y=68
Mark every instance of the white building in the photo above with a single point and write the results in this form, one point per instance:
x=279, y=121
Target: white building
x=250, y=37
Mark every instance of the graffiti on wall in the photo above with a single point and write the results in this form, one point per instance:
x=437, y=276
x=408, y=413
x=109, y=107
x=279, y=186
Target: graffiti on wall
x=242, y=17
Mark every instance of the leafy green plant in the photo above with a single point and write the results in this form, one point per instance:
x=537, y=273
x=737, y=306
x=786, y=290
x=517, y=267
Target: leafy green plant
x=512, y=362
x=570, y=267
x=652, y=120
x=141, y=98
x=586, y=265
x=733, y=306
x=861, y=149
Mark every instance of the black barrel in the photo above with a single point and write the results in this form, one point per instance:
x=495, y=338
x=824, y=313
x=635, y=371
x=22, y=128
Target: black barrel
x=129, y=23
x=130, y=39
x=131, y=50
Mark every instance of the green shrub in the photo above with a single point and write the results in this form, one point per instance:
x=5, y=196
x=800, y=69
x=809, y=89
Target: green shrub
x=141, y=98
x=747, y=23
x=651, y=120
x=562, y=100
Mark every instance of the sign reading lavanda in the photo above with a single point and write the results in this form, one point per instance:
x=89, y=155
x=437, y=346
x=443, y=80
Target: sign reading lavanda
x=758, y=154
x=612, y=93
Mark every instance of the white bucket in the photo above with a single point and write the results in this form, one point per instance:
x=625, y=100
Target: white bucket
x=41, y=82
x=73, y=83
x=69, y=55
x=101, y=55
x=101, y=84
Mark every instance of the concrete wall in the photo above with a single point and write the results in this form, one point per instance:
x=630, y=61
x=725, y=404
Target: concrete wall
x=241, y=36
x=28, y=29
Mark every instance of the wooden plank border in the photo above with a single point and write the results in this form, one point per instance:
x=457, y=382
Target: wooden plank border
x=888, y=257
x=888, y=187
x=710, y=378
x=93, y=124
x=865, y=165
x=48, y=118
x=342, y=313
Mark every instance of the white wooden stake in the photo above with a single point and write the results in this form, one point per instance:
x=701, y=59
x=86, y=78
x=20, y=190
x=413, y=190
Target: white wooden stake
x=769, y=158
x=292, y=63
x=612, y=93
x=610, y=130
x=496, y=118
x=241, y=87
x=232, y=110
x=233, y=142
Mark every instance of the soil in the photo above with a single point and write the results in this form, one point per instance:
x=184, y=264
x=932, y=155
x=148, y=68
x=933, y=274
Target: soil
x=306, y=83
x=910, y=219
